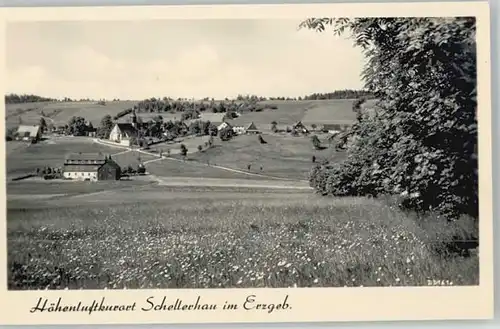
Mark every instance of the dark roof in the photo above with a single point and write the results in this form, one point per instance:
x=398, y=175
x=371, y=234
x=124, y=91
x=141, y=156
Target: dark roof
x=128, y=128
x=112, y=163
x=81, y=168
x=252, y=127
x=86, y=156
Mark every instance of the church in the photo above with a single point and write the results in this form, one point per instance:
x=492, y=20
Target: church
x=125, y=133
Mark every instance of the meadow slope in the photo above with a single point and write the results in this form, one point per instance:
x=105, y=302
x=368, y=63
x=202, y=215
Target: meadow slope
x=225, y=239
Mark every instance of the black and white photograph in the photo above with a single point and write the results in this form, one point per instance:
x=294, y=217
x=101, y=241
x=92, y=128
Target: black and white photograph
x=316, y=152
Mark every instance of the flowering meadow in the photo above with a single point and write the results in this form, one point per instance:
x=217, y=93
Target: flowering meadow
x=238, y=239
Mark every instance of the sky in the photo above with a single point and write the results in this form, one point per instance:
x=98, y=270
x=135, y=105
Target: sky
x=177, y=58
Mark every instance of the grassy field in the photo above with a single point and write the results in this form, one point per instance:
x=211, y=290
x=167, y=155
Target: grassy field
x=61, y=112
x=288, y=113
x=330, y=111
x=283, y=155
x=24, y=158
x=68, y=187
x=131, y=158
x=228, y=239
x=172, y=168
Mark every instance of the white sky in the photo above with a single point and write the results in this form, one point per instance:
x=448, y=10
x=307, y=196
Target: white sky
x=177, y=58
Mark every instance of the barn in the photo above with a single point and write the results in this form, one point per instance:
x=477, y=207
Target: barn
x=29, y=133
x=91, y=167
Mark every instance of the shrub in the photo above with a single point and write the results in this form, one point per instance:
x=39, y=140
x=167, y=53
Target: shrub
x=184, y=150
x=316, y=142
x=422, y=143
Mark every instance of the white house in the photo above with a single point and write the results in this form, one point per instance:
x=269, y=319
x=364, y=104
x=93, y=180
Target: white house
x=122, y=133
x=223, y=126
x=239, y=130
x=91, y=167
x=29, y=133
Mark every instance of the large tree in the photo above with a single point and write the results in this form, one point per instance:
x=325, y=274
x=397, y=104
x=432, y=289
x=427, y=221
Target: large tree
x=422, y=139
x=105, y=127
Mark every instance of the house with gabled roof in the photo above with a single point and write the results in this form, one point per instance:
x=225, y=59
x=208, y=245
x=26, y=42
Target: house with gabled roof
x=91, y=167
x=28, y=133
x=125, y=133
x=224, y=125
x=252, y=129
x=299, y=127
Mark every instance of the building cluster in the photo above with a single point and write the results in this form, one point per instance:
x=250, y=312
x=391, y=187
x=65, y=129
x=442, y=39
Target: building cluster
x=125, y=133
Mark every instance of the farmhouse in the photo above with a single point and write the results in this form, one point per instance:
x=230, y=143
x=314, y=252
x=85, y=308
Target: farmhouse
x=90, y=166
x=299, y=127
x=239, y=130
x=29, y=133
x=224, y=125
x=252, y=129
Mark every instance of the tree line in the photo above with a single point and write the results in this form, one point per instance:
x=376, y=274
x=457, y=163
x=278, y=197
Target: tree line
x=26, y=98
x=341, y=94
x=166, y=104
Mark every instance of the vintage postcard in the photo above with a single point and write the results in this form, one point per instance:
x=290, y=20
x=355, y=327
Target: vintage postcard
x=246, y=163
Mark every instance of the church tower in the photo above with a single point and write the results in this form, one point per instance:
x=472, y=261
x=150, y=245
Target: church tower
x=134, y=119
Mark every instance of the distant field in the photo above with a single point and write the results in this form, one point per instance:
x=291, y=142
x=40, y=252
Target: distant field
x=61, y=112
x=330, y=111
x=288, y=113
x=282, y=156
x=173, y=168
x=217, y=239
x=309, y=112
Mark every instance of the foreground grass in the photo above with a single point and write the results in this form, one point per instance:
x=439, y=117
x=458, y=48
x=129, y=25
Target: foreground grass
x=287, y=240
x=69, y=187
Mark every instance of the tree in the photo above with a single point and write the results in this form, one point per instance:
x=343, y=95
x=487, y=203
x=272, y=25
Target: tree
x=105, y=127
x=226, y=133
x=200, y=148
x=316, y=142
x=422, y=140
x=274, y=126
x=77, y=126
x=313, y=126
x=43, y=124
x=184, y=150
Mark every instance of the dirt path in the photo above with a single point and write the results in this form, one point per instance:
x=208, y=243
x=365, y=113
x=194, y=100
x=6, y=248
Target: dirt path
x=227, y=182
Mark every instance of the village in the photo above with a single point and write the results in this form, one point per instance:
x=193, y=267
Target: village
x=159, y=136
